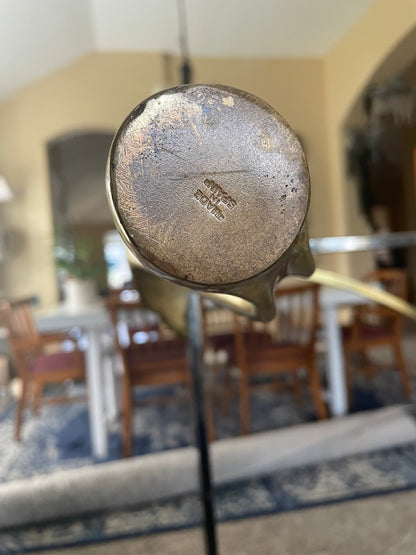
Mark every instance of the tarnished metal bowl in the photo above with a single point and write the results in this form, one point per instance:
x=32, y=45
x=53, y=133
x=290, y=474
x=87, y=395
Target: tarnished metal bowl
x=209, y=188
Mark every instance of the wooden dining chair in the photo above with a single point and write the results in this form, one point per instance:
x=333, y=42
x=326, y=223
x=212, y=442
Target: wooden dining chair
x=151, y=354
x=38, y=359
x=377, y=326
x=284, y=346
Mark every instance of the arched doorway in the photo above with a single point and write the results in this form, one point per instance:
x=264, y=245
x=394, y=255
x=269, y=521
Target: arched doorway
x=381, y=137
x=81, y=215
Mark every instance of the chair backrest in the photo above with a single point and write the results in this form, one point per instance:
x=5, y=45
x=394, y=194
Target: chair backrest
x=134, y=325
x=23, y=337
x=295, y=322
x=392, y=280
x=216, y=319
x=297, y=313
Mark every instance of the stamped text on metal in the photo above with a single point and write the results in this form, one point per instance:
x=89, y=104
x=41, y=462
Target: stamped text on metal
x=216, y=200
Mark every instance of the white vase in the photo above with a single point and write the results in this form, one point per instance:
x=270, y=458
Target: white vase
x=79, y=293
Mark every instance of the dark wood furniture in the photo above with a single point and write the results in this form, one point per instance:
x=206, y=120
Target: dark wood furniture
x=377, y=326
x=286, y=345
x=38, y=358
x=151, y=354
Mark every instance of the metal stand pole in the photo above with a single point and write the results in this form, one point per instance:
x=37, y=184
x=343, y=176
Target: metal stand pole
x=195, y=354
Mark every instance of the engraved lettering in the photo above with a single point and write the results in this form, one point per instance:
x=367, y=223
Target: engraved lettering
x=218, y=214
x=214, y=199
x=224, y=197
x=213, y=202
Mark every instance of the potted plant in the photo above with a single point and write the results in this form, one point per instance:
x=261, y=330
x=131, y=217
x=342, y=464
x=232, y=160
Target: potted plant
x=79, y=271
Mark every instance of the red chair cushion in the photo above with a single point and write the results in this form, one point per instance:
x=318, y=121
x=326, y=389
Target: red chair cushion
x=54, y=362
x=227, y=342
x=161, y=352
x=367, y=332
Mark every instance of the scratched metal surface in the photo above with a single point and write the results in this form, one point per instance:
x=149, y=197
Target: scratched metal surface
x=209, y=184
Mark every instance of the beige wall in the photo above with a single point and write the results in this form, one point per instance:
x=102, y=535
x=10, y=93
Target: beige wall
x=97, y=92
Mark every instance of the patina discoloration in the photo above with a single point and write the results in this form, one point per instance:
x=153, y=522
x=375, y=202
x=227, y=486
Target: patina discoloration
x=210, y=187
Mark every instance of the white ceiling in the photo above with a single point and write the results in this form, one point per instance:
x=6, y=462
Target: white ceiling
x=39, y=36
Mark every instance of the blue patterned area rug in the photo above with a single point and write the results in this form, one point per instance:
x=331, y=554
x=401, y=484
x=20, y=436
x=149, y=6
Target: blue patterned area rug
x=353, y=477
x=58, y=439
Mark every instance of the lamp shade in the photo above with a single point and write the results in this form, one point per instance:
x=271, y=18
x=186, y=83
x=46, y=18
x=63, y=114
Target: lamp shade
x=6, y=193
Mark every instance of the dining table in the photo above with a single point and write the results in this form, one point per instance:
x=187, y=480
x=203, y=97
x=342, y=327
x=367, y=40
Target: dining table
x=94, y=322
x=331, y=299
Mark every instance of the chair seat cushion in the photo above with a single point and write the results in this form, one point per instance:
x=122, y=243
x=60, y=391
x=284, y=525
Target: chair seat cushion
x=254, y=341
x=165, y=364
x=146, y=355
x=367, y=333
x=280, y=353
x=56, y=362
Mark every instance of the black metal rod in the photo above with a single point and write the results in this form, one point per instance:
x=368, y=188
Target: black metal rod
x=195, y=344
x=186, y=68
